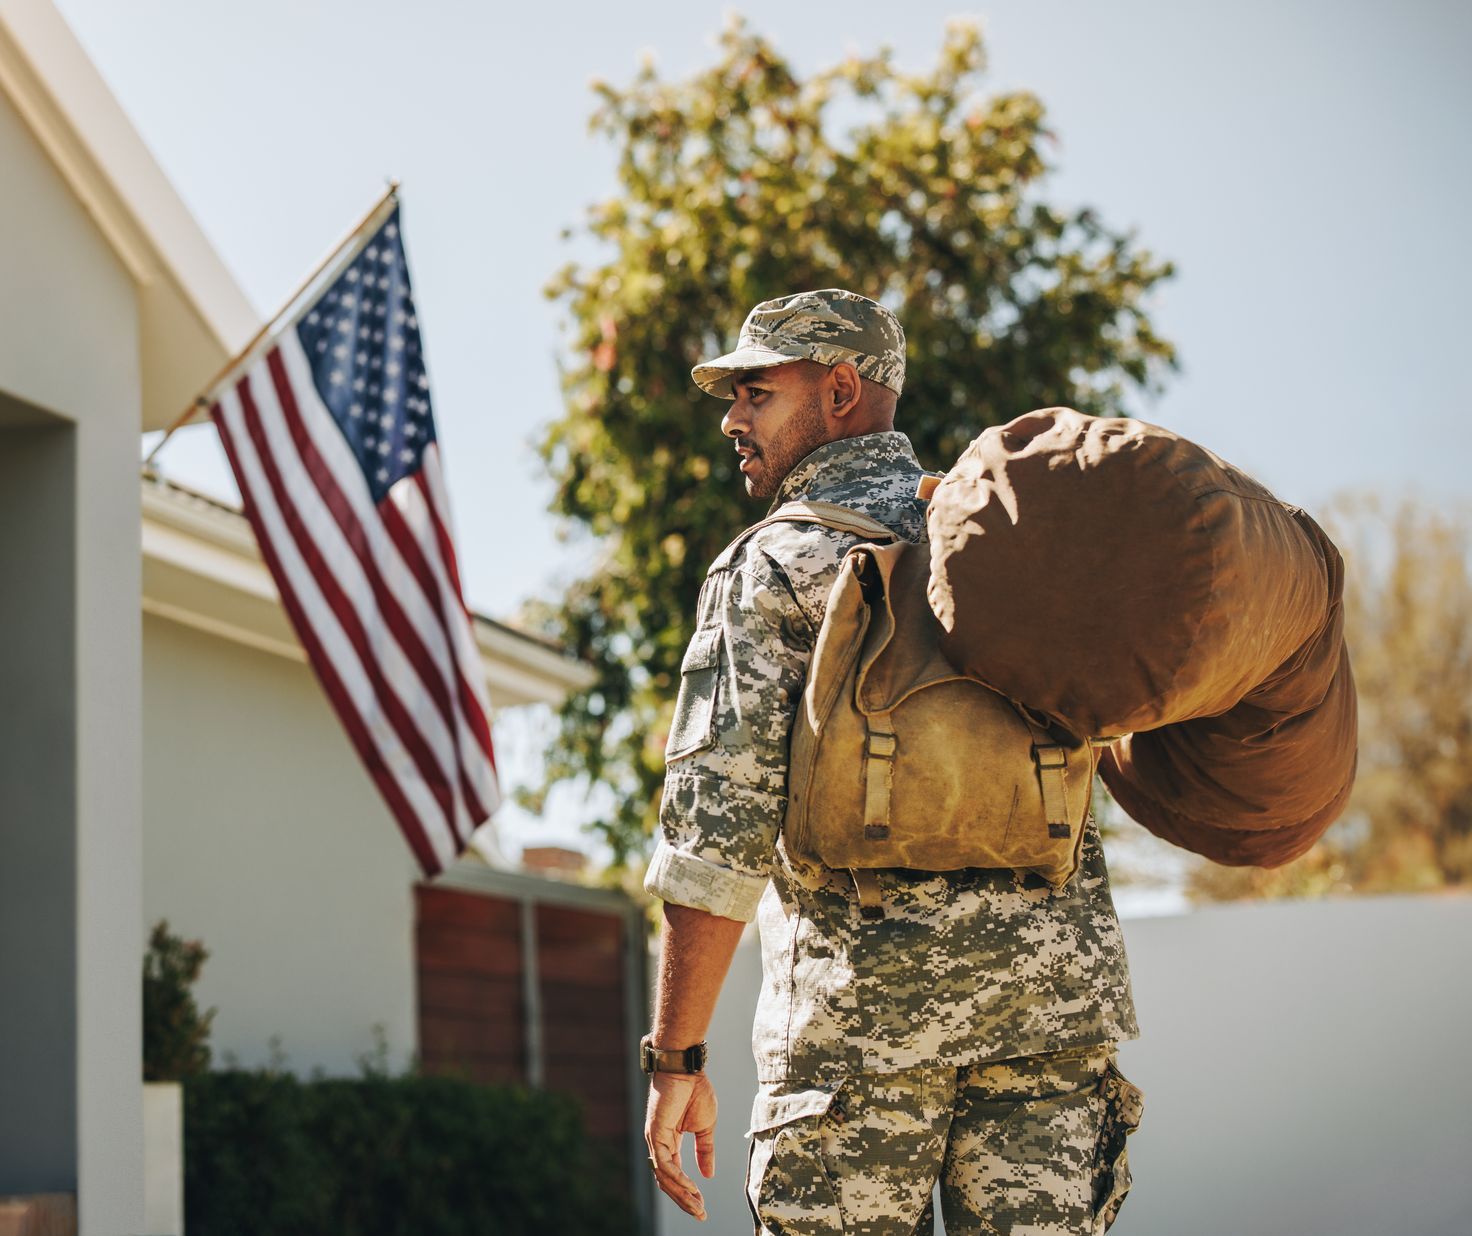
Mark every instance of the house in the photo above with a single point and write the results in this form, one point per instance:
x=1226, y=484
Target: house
x=264, y=838
x=164, y=748
x=114, y=309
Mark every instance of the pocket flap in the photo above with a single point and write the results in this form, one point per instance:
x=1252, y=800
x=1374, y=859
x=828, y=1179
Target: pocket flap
x=1126, y=1097
x=704, y=651
x=768, y=1111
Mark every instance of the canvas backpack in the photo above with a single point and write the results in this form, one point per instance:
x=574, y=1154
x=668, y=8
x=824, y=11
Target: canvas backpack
x=896, y=759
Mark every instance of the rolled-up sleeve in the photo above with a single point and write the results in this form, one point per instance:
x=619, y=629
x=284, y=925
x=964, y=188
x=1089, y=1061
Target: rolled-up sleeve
x=725, y=788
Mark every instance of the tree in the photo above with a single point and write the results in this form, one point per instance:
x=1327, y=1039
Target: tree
x=1408, y=622
x=735, y=186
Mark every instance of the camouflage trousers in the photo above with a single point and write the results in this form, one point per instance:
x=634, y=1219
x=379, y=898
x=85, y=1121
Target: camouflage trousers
x=1033, y=1146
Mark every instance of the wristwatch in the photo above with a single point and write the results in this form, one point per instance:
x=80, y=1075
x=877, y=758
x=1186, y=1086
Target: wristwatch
x=654, y=1059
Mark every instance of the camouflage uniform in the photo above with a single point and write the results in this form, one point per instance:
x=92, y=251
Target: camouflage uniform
x=1032, y=1144
x=966, y=969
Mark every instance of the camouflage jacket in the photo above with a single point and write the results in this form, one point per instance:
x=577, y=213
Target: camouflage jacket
x=966, y=965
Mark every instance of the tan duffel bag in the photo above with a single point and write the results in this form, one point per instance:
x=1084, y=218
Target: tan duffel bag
x=898, y=760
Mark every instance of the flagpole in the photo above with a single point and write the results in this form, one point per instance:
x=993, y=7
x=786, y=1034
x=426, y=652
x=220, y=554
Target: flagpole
x=202, y=400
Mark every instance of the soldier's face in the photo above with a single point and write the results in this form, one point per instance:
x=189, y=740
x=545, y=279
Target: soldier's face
x=777, y=420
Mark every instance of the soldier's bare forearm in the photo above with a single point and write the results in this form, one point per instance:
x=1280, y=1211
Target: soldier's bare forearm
x=696, y=948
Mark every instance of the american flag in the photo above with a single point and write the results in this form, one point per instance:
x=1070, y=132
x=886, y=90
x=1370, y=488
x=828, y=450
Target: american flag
x=332, y=440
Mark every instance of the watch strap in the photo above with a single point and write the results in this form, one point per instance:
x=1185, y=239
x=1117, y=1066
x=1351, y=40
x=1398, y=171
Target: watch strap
x=654, y=1059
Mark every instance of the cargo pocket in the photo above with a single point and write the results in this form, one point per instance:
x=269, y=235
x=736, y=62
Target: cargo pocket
x=1123, y=1105
x=693, y=726
x=789, y=1187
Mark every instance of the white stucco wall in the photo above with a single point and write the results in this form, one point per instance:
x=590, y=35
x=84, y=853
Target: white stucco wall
x=1304, y=1066
x=69, y=348
x=265, y=839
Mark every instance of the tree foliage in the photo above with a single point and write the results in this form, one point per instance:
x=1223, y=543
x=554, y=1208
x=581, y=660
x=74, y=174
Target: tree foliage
x=175, y=1033
x=1408, y=622
x=744, y=182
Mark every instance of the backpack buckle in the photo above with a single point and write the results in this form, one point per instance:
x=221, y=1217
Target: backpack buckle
x=1055, y=757
x=881, y=745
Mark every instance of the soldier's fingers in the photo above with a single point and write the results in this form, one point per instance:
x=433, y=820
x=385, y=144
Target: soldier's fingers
x=705, y=1152
x=674, y=1183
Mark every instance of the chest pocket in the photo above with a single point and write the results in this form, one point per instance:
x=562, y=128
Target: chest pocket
x=693, y=727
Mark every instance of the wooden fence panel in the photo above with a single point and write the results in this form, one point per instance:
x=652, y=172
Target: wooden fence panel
x=529, y=989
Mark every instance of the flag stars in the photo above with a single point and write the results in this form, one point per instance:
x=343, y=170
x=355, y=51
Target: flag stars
x=362, y=341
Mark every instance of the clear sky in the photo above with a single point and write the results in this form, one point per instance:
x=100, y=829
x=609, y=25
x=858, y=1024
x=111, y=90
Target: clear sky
x=1308, y=166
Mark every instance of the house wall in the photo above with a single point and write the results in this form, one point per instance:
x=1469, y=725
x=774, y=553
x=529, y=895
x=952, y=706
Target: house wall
x=70, y=854
x=1304, y=1067
x=265, y=839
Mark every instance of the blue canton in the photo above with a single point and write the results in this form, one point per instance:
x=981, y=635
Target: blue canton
x=361, y=339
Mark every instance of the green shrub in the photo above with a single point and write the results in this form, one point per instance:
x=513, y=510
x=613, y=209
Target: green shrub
x=175, y=1033
x=385, y=1156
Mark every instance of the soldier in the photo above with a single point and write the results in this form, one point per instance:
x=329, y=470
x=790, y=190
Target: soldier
x=967, y=1037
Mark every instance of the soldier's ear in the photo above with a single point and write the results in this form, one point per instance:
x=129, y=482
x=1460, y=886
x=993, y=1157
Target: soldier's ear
x=845, y=389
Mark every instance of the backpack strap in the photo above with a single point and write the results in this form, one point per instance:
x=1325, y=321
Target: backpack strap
x=882, y=742
x=1052, y=763
x=829, y=514
x=866, y=885
x=880, y=747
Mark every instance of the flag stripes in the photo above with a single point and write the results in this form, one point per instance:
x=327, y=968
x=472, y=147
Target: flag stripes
x=419, y=632
x=351, y=577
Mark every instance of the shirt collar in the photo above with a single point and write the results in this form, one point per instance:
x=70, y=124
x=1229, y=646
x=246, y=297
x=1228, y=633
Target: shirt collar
x=869, y=456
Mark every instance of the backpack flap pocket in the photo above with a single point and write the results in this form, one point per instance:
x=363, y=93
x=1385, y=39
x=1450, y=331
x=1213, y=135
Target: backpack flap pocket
x=693, y=727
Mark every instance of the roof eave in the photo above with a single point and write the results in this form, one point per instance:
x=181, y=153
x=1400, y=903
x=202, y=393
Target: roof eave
x=202, y=569
x=193, y=316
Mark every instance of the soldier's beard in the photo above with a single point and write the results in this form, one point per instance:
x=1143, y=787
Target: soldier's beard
x=802, y=433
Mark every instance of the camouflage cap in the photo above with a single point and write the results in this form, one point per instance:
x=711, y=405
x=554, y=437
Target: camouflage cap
x=828, y=326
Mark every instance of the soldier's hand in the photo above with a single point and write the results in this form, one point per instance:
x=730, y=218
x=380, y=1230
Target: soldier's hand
x=681, y=1103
